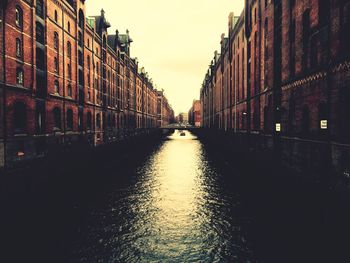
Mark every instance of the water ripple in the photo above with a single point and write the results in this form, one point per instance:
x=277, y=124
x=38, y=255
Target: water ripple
x=176, y=208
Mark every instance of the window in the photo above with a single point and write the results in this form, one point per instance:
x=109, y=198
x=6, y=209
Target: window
x=69, y=90
x=56, y=64
x=81, y=19
x=57, y=118
x=19, y=17
x=56, y=16
x=18, y=48
x=81, y=77
x=80, y=120
x=19, y=117
x=19, y=76
x=40, y=37
x=98, y=120
x=255, y=17
x=40, y=8
x=69, y=49
x=70, y=119
x=80, y=58
x=88, y=120
x=68, y=27
x=55, y=41
x=69, y=68
x=80, y=39
x=57, y=87
x=40, y=117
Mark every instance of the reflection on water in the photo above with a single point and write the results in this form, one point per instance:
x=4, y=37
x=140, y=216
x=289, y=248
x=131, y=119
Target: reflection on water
x=174, y=208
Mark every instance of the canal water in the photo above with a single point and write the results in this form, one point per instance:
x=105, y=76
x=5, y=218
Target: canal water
x=176, y=199
x=175, y=207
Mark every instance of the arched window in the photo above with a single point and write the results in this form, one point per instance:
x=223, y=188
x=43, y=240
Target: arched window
x=81, y=19
x=19, y=76
x=56, y=16
x=305, y=121
x=19, y=17
x=69, y=90
x=18, y=48
x=98, y=120
x=69, y=119
x=40, y=8
x=19, y=117
x=57, y=87
x=57, y=118
x=69, y=49
x=88, y=120
x=40, y=33
x=55, y=41
x=56, y=64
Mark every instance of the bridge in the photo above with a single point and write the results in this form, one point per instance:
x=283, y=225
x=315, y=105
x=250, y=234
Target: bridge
x=176, y=126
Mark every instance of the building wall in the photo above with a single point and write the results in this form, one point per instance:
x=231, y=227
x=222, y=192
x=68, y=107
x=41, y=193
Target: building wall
x=290, y=67
x=80, y=83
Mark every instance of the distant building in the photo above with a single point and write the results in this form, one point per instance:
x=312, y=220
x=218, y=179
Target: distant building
x=182, y=117
x=165, y=114
x=194, y=114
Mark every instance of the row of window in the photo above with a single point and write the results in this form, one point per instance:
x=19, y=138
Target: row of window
x=20, y=119
x=40, y=12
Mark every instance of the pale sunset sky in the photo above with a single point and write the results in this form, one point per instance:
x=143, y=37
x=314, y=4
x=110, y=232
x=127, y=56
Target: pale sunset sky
x=174, y=40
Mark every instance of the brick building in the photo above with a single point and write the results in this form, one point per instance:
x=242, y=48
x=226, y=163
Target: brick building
x=64, y=79
x=194, y=114
x=164, y=110
x=282, y=80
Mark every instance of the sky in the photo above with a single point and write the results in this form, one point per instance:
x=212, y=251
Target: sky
x=174, y=40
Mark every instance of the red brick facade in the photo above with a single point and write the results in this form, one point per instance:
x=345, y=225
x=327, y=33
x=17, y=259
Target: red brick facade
x=289, y=82
x=64, y=79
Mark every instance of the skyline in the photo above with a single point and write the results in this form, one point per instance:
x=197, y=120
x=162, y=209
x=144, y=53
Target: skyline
x=176, y=61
